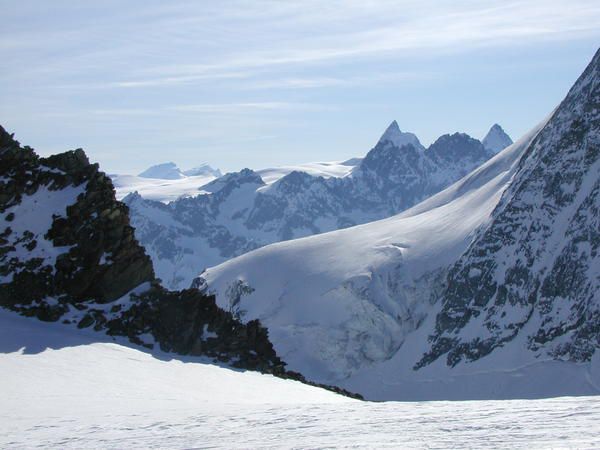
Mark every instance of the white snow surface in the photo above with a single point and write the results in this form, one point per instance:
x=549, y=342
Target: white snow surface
x=354, y=307
x=66, y=388
x=336, y=169
x=161, y=190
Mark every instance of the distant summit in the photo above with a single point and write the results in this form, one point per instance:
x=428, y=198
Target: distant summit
x=165, y=171
x=398, y=138
x=203, y=170
x=170, y=171
x=496, y=139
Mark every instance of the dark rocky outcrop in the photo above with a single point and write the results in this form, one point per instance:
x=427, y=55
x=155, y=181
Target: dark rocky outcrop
x=93, y=226
x=68, y=252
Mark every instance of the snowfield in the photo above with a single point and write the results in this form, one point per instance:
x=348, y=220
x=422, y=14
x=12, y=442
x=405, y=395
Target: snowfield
x=162, y=190
x=64, y=388
x=169, y=189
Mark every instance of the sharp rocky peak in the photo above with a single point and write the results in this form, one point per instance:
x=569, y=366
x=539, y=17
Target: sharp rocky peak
x=398, y=138
x=496, y=139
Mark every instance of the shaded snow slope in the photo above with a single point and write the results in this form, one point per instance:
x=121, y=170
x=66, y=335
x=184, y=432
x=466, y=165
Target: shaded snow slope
x=62, y=390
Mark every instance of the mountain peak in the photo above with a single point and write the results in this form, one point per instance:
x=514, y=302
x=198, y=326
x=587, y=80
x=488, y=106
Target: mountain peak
x=496, y=139
x=397, y=138
x=165, y=171
x=203, y=169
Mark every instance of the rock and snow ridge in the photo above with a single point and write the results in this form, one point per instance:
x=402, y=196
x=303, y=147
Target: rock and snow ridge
x=246, y=210
x=489, y=289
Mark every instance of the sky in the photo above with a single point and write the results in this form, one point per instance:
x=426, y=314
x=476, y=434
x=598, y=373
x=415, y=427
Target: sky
x=263, y=83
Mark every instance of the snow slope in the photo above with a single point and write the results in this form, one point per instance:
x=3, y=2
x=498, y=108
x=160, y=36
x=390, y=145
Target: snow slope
x=337, y=169
x=63, y=389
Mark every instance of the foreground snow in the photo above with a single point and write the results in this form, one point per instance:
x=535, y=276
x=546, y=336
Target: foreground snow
x=65, y=389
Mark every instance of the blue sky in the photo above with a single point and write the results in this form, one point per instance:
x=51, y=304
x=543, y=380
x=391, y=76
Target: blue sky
x=262, y=83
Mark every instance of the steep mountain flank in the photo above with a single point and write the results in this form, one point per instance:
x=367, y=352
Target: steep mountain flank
x=537, y=262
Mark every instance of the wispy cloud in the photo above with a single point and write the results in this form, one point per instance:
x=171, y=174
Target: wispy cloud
x=230, y=108
x=179, y=43
x=447, y=27
x=195, y=108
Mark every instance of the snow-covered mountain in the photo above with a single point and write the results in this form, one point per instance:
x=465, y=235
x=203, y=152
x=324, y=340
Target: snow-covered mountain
x=398, y=138
x=496, y=139
x=489, y=289
x=165, y=171
x=164, y=182
x=204, y=170
x=170, y=171
x=245, y=210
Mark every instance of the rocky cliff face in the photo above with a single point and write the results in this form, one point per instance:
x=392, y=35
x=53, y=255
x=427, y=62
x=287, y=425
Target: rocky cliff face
x=239, y=212
x=68, y=253
x=535, y=268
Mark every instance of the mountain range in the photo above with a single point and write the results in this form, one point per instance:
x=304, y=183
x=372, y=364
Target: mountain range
x=245, y=210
